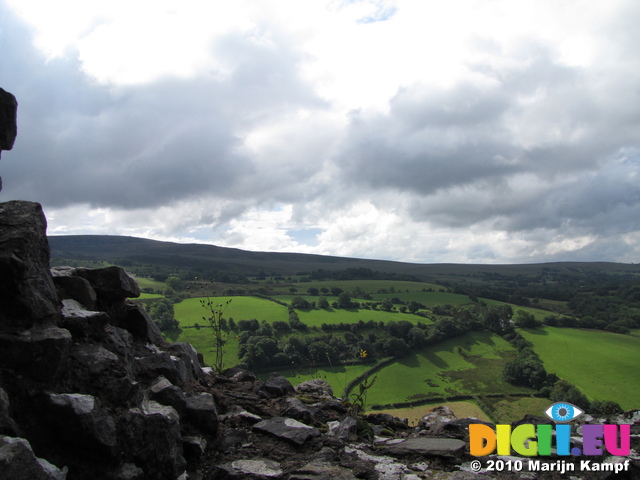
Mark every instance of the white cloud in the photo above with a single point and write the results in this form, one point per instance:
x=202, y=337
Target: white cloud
x=421, y=131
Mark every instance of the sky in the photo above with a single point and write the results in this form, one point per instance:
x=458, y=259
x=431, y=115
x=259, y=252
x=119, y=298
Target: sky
x=470, y=131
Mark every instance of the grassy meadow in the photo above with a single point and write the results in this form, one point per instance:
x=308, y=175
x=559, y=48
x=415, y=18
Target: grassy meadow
x=603, y=364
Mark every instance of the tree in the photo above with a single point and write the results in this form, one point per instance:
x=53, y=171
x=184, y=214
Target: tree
x=162, y=314
x=386, y=305
x=564, y=391
x=323, y=302
x=299, y=303
x=335, y=291
x=174, y=283
x=395, y=347
x=313, y=291
x=344, y=300
x=524, y=319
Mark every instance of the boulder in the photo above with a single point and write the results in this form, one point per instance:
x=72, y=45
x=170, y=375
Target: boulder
x=70, y=286
x=110, y=283
x=317, y=389
x=276, y=386
x=255, y=468
x=28, y=293
x=166, y=365
x=189, y=356
x=165, y=393
x=8, y=121
x=83, y=423
x=40, y=352
x=344, y=429
x=82, y=323
x=287, y=429
x=201, y=412
x=294, y=408
x=7, y=425
x=150, y=437
x=137, y=321
x=18, y=462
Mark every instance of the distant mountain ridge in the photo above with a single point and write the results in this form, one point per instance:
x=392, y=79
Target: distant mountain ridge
x=125, y=249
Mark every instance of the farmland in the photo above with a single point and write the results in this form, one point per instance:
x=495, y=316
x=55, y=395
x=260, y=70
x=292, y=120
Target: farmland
x=429, y=332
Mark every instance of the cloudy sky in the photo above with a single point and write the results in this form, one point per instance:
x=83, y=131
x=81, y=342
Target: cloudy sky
x=475, y=131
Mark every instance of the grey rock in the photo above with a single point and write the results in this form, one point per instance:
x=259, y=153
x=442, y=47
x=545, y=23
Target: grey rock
x=82, y=422
x=129, y=471
x=95, y=357
x=318, y=470
x=189, y=356
x=110, y=283
x=295, y=408
x=165, y=393
x=424, y=446
x=166, y=365
x=239, y=416
x=138, y=322
x=18, y=462
x=201, y=412
x=70, y=286
x=28, y=294
x=8, y=120
x=150, y=437
x=344, y=429
x=194, y=447
x=82, y=323
x=316, y=388
x=287, y=429
x=256, y=468
x=276, y=386
x=39, y=352
x=8, y=426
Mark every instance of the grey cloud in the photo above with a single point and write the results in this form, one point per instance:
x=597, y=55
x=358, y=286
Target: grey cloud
x=142, y=146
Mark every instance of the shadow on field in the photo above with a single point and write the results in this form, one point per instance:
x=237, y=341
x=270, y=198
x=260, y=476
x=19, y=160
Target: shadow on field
x=536, y=331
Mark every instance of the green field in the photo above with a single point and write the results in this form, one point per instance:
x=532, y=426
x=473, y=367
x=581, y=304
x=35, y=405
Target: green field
x=467, y=365
x=189, y=311
x=366, y=286
x=603, y=364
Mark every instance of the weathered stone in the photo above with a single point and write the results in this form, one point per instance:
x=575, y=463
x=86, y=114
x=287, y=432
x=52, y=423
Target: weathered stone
x=138, y=322
x=119, y=341
x=82, y=323
x=8, y=120
x=294, y=408
x=318, y=470
x=424, y=446
x=202, y=413
x=110, y=283
x=347, y=428
x=256, y=468
x=164, y=392
x=151, y=440
x=81, y=421
x=39, y=352
x=189, y=356
x=460, y=428
x=237, y=374
x=28, y=294
x=18, y=462
x=70, y=286
x=287, y=429
x=166, y=365
x=239, y=416
x=276, y=386
x=8, y=425
x=95, y=357
x=317, y=389
x=193, y=447
x=129, y=471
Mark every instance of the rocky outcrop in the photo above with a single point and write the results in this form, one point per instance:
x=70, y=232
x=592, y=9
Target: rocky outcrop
x=8, y=122
x=90, y=389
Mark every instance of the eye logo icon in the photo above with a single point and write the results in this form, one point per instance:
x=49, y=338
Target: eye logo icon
x=563, y=412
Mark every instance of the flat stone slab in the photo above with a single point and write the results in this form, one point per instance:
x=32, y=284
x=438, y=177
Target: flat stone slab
x=287, y=429
x=435, y=447
x=258, y=468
